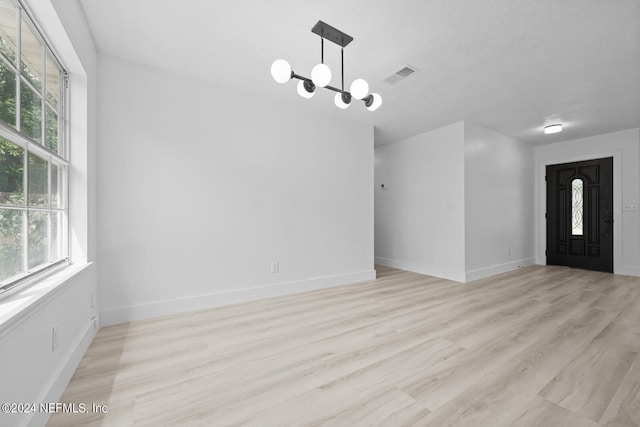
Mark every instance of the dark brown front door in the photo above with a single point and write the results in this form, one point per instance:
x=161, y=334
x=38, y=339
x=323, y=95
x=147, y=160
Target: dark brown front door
x=580, y=214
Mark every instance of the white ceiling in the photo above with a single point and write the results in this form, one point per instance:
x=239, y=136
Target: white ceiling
x=509, y=65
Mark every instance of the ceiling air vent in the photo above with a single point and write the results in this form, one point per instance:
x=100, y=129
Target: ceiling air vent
x=402, y=73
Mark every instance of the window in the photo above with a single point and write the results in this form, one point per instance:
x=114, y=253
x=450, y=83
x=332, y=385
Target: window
x=33, y=150
x=577, y=198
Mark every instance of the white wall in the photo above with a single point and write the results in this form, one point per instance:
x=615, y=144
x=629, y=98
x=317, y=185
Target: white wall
x=201, y=189
x=419, y=215
x=499, y=202
x=624, y=147
x=30, y=370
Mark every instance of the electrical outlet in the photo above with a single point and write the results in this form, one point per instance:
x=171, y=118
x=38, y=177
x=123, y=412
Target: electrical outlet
x=93, y=300
x=95, y=322
x=275, y=267
x=508, y=251
x=54, y=338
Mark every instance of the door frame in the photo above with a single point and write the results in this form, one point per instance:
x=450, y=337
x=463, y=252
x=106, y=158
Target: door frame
x=541, y=202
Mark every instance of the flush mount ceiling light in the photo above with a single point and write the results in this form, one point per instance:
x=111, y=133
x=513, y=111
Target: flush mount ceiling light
x=321, y=73
x=555, y=128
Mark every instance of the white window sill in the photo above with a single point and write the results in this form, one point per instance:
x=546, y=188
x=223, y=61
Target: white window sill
x=20, y=304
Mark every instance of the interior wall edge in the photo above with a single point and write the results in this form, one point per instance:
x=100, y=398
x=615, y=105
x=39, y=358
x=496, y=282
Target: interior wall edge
x=492, y=270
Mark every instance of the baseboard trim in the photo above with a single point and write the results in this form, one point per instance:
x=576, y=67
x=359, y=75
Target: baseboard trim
x=457, y=276
x=429, y=270
x=484, y=272
x=53, y=391
x=625, y=270
x=132, y=313
x=628, y=270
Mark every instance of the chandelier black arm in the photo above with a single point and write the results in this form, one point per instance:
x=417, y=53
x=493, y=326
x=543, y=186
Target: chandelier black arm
x=307, y=79
x=367, y=99
x=299, y=77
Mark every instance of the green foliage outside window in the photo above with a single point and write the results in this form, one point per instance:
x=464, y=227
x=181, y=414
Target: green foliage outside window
x=24, y=229
x=11, y=220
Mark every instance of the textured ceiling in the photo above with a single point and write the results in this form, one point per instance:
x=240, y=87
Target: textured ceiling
x=509, y=65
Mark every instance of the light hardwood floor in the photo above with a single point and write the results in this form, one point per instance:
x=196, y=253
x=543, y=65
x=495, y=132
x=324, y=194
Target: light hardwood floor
x=541, y=346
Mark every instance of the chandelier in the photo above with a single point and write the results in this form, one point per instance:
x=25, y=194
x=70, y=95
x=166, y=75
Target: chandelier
x=321, y=73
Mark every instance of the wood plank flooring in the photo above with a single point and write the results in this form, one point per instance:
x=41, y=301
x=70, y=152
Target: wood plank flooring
x=540, y=346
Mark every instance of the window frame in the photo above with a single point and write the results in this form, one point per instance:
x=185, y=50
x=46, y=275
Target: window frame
x=60, y=158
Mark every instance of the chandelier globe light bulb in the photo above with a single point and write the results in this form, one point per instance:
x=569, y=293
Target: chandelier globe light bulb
x=340, y=102
x=359, y=88
x=303, y=92
x=374, y=103
x=281, y=71
x=321, y=75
